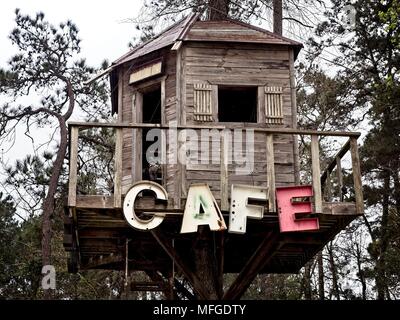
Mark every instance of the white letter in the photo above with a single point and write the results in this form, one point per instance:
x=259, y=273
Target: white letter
x=49, y=280
x=241, y=208
x=129, y=203
x=201, y=209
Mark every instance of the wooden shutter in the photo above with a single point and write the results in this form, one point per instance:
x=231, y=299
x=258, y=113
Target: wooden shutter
x=203, y=102
x=273, y=105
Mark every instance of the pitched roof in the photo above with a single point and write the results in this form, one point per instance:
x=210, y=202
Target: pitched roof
x=234, y=31
x=193, y=29
x=163, y=39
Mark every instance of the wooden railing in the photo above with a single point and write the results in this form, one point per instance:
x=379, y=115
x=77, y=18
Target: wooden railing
x=317, y=179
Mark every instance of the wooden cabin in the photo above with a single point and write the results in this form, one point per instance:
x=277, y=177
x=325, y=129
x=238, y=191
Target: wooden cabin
x=205, y=75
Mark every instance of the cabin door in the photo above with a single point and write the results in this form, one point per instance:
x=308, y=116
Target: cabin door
x=151, y=137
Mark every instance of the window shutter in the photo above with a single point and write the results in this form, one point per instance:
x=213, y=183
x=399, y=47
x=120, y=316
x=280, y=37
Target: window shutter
x=273, y=105
x=203, y=102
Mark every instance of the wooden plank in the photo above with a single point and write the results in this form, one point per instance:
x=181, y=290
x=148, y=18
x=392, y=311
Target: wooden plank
x=355, y=161
x=316, y=174
x=163, y=136
x=261, y=104
x=170, y=251
x=118, y=169
x=73, y=166
x=120, y=97
x=224, y=172
x=289, y=131
x=146, y=72
x=179, y=108
x=339, y=208
x=137, y=147
x=334, y=162
x=293, y=97
x=339, y=177
x=271, y=173
x=328, y=188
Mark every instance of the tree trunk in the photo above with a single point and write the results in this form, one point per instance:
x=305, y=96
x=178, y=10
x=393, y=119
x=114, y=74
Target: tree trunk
x=278, y=17
x=206, y=264
x=321, y=285
x=381, y=285
x=335, y=284
x=48, y=203
x=361, y=274
x=218, y=9
x=307, y=281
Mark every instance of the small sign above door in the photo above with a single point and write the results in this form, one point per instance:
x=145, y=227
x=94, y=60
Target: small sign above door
x=148, y=71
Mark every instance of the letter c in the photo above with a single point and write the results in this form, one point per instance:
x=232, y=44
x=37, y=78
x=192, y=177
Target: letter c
x=129, y=203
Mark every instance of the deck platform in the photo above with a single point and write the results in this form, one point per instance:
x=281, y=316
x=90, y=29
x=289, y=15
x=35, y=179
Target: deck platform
x=96, y=234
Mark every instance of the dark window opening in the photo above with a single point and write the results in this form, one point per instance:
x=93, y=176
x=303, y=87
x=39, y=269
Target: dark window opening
x=237, y=104
x=151, y=114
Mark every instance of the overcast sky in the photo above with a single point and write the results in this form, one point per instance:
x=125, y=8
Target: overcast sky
x=103, y=34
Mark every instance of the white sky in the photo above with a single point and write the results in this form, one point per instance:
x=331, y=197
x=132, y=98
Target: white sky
x=103, y=36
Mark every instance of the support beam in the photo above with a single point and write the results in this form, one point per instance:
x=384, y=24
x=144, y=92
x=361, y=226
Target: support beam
x=355, y=161
x=170, y=251
x=271, y=173
x=118, y=169
x=73, y=163
x=339, y=177
x=182, y=289
x=334, y=162
x=316, y=174
x=257, y=262
x=224, y=172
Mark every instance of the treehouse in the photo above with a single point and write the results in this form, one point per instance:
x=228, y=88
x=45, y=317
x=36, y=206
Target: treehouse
x=207, y=130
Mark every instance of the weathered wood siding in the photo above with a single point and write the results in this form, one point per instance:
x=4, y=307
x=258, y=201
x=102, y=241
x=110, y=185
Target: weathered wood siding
x=241, y=65
x=128, y=113
x=215, y=64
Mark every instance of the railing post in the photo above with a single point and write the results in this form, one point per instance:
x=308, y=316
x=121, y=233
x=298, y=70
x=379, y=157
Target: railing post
x=339, y=176
x=118, y=168
x=316, y=174
x=355, y=161
x=73, y=163
x=271, y=173
x=224, y=172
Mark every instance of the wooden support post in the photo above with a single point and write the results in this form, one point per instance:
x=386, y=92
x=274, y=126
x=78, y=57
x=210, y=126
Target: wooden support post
x=118, y=169
x=271, y=173
x=191, y=276
x=224, y=172
x=182, y=289
x=257, y=261
x=220, y=267
x=316, y=174
x=333, y=163
x=73, y=166
x=339, y=177
x=355, y=161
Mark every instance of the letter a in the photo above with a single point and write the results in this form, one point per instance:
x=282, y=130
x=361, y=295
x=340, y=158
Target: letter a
x=201, y=209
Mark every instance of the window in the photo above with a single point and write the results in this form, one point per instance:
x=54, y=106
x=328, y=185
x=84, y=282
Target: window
x=237, y=104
